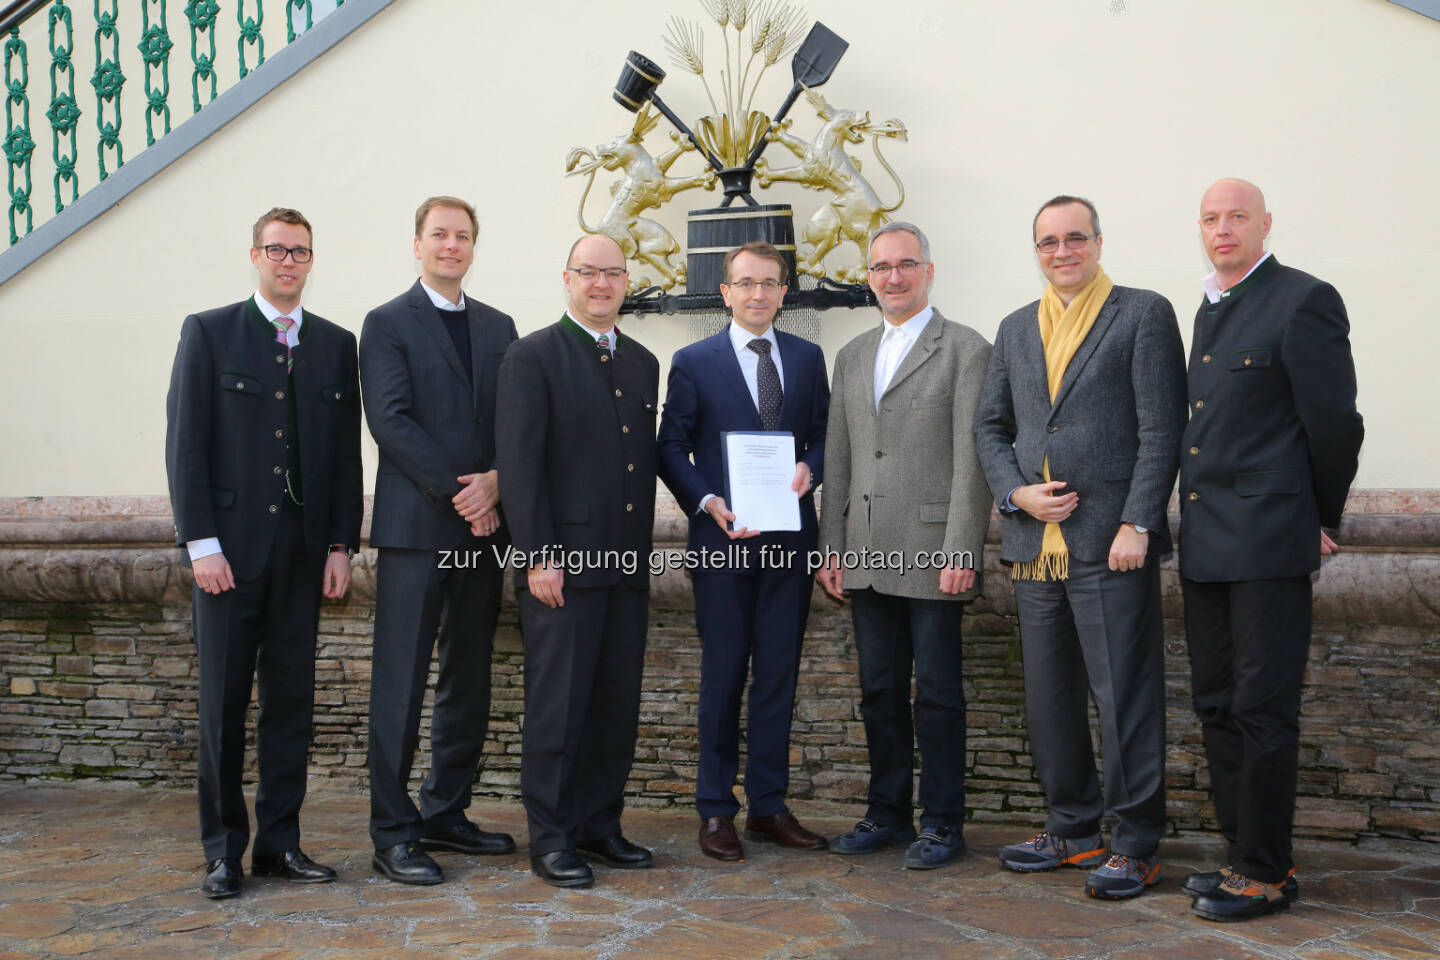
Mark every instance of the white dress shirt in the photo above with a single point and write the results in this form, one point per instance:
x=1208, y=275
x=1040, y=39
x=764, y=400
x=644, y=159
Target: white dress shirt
x=439, y=298
x=895, y=343
x=596, y=334
x=1211, y=283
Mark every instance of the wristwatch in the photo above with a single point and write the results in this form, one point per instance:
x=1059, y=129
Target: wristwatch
x=1137, y=528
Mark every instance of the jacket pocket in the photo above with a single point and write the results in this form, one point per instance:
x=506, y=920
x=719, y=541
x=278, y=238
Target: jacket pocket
x=937, y=512
x=243, y=384
x=572, y=513
x=222, y=498
x=1250, y=359
x=1264, y=482
x=334, y=393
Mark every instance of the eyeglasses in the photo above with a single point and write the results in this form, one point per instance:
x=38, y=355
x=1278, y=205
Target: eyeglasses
x=907, y=268
x=278, y=252
x=592, y=273
x=745, y=286
x=1072, y=241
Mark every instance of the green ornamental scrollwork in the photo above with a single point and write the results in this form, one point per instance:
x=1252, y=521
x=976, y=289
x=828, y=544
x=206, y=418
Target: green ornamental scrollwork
x=108, y=81
x=64, y=112
x=154, y=50
x=202, y=14
x=19, y=147
x=290, y=9
x=250, y=34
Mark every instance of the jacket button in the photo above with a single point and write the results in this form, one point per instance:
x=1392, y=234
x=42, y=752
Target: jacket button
x=865, y=497
x=1199, y=404
x=1247, y=361
x=630, y=467
x=878, y=454
x=1205, y=359
x=617, y=391
x=629, y=508
x=1194, y=497
x=279, y=358
x=279, y=434
x=604, y=358
x=479, y=420
x=624, y=429
x=1194, y=450
x=277, y=471
x=337, y=394
x=274, y=509
x=1054, y=429
x=279, y=394
x=239, y=384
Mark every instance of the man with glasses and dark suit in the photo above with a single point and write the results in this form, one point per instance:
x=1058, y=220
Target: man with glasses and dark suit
x=1077, y=430
x=751, y=611
x=262, y=449
x=429, y=360
x=576, y=449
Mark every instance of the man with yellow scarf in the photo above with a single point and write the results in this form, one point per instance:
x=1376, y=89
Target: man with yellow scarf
x=1078, y=432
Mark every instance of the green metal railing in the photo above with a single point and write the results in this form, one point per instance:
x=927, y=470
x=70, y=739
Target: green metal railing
x=138, y=36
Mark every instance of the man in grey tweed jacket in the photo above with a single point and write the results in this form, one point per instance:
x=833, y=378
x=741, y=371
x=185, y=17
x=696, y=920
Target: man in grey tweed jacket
x=903, y=526
x=1078, y=430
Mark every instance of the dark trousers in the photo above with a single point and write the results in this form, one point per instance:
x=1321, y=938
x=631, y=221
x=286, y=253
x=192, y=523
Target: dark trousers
x=1099, y=633
x=1249, y=641
x=748, y=624
x=891, y=633
x=415, y=599
x=583, y=664
x=264, y=626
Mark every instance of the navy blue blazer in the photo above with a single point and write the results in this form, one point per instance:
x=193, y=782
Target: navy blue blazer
x=707, y=396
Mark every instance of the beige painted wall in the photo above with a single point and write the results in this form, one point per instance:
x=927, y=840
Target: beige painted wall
x=1328, y=104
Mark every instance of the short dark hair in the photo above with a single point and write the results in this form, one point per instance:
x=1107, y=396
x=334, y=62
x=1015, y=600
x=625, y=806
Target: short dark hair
x=1064, y=200
x=756, y=248
x=283, y=215
x=422, y=211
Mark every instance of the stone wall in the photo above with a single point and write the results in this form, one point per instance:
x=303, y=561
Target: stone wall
x=97, y=677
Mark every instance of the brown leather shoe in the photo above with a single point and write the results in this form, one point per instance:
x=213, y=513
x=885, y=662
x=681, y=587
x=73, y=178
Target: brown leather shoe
x=718, y=839
x=784, y=829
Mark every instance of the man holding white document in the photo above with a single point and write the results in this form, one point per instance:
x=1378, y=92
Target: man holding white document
x=742, y=445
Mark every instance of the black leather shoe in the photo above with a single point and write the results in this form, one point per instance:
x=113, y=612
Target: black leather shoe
x=407, y=863
x=562, y=868
x=616, y=851
x=291, y=865
x=465, y=837
x=222, y=878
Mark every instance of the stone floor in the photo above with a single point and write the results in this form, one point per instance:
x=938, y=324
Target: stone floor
x=113, y=871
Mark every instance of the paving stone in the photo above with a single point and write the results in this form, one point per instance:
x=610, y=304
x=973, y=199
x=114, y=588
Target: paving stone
x=1398, y=944
x=800, y=917
x=696, y=939
x=473, y=931
x=580, y=933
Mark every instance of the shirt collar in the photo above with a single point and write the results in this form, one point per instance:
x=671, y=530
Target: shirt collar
x=740, y=337
x=596, y=334
x=439, y=299
x=1211, y=283
x=911, y=328
x=270, y=312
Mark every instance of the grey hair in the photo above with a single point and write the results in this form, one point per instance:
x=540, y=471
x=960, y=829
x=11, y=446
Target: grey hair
x=901, y=226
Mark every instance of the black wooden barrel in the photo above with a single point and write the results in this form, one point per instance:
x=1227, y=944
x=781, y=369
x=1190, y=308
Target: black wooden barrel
x=715, y=232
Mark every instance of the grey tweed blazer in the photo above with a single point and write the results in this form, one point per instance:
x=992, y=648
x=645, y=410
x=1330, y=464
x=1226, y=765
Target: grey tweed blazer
x=1112, y=434
x=904, y=482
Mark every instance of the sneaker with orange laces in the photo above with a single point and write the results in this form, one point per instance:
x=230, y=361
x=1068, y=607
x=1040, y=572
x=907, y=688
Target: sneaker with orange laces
x=1045, y=851
x=1240, y=898
x=1199, y=884
x=1122, y=877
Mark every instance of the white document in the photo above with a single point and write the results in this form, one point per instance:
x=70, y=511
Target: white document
x=759, y=468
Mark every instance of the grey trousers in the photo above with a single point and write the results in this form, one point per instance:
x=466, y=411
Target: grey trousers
x=1100, y=634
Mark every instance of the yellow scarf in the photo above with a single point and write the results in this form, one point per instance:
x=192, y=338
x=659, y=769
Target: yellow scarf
x=1062, y=330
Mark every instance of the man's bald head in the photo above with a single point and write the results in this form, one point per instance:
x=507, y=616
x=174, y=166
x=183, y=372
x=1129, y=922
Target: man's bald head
x=588, y=242
x=1234, y=224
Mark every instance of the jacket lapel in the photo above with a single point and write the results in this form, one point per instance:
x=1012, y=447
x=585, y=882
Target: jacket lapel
x=925, y=345
x=479, y=347
x=728, y=367
x=428, y=319
x=1087, y=348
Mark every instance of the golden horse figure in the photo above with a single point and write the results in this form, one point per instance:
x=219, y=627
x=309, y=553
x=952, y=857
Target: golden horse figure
x=856, y=211
x=644, y=185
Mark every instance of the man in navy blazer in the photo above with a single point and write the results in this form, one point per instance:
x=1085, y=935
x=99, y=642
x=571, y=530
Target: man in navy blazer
x=751, y=610
x=430, y=362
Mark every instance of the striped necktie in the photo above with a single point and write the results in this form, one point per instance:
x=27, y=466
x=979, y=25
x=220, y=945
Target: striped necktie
x=282, y=327
x=602, y=343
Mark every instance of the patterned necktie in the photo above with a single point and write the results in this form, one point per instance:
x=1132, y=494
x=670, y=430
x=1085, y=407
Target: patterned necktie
x=282, y=327
x=602, y=343
x=768, y=381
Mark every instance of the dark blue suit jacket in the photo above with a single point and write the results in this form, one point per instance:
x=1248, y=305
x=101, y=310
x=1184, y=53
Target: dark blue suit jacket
x=707, y=396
